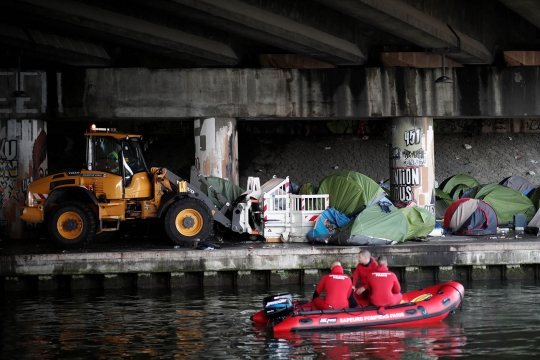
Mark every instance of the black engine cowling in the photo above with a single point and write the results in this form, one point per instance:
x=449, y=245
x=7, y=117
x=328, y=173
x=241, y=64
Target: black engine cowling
x=278, y=305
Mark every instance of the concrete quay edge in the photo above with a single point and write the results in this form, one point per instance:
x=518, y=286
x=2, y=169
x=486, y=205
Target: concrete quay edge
x=272, y=257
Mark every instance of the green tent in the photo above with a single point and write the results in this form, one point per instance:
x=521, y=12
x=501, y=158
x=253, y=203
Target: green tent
x=442, y=202
x=307, y=189
x=225, y=187
x=349, y=190
x=457, y=185
x=373, y=227
x=376, y=227
x=534, y=196
x=505, y=201
x=421, y=222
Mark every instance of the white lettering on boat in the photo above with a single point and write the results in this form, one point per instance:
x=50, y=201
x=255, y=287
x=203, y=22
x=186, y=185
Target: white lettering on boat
x=327, y=320
x=371, y=318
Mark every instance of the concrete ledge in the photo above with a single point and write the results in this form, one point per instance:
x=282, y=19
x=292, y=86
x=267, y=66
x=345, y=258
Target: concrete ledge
x=238, y=265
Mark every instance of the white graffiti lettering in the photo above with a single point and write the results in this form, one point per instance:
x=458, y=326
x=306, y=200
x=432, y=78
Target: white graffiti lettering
x=412, y=137
x=407, y=176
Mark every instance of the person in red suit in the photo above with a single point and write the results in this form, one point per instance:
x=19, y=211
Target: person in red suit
x=383, y=285
x=366, y=265
x=338, y=287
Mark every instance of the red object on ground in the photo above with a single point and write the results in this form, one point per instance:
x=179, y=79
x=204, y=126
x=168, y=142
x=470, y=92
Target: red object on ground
x=443, y=298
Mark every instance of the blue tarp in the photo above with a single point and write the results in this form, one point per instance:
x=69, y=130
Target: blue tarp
x=326, y=224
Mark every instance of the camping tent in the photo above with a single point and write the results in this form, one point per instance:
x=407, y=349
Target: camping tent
x=442, y=201
x=534, y=196
x=505, y=201
x=307, y=189
x=518, y=183
x=470, y=217
x=373, y=227
x=349, y=190
x=421, y=222
x=376, y=227
x=223, y=186
x=458, y=184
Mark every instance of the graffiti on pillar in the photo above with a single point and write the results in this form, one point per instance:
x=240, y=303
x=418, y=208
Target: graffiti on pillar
x=406, y=166
x=395, y=155
x=414, y=158
x=412, y=137
x=405, y=180
x=39, y=154
x=410, y=163
x=9, y=166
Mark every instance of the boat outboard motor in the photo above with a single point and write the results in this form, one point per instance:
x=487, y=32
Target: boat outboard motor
x=278, y=305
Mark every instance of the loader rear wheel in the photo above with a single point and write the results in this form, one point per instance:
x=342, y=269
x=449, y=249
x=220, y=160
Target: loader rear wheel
x=187, y=220
x=72, y=225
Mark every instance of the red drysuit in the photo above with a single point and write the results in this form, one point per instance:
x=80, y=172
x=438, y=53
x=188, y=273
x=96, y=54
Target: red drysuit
x=384, y=287
x=362, y=272
x=338, y=288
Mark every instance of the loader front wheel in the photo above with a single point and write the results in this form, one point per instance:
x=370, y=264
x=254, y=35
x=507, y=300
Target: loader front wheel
x=72, y=225
x=187, y=220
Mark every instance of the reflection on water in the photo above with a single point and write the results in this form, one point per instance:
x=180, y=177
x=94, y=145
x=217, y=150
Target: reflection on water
x=498, y=320
x=427, y=342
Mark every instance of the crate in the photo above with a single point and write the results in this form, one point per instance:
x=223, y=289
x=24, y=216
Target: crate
x=305, y=209
x=285, y=217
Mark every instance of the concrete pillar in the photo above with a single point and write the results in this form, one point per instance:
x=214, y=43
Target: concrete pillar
x=23, y=159
x=412, y=164
x=23, y=142
x=216, y=148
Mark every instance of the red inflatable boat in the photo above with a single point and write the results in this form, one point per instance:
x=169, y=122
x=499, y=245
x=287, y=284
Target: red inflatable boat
x=422, y=306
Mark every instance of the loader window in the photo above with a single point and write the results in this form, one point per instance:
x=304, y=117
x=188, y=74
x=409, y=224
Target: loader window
x=134, y=161
x=107, y=155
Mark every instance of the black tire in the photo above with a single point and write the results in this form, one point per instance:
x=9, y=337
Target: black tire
x=72, y=225
x=187, y=220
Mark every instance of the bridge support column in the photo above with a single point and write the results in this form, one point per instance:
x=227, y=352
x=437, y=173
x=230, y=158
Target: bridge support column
x=23, y=159
x=216, y=148
x=412, y=161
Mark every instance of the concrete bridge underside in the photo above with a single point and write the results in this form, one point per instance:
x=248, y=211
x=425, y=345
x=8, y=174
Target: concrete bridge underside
x=355, y=93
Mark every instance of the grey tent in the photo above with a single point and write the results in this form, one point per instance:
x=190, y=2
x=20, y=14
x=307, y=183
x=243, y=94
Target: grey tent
x=518, y=183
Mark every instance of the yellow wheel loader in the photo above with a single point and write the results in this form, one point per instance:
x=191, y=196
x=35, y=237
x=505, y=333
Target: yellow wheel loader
x=78, y=207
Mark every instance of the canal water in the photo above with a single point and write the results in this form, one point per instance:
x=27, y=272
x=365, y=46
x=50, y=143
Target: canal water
x=499, y=320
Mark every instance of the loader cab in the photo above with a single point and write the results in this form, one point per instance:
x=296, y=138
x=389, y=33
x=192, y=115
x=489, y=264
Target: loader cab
x=118, y=154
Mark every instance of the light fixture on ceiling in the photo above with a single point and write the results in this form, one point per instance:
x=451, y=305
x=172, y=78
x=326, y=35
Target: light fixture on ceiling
x=447, y=50
x=444, y=78
x=19, y=93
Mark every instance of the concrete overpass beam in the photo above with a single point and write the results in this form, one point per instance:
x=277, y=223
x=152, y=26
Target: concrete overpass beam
x=415, y=59
x=54, y=47
x=529, y=9
x=402, y=20
x=522, y=58
x=251, y=22
x=138, y=33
